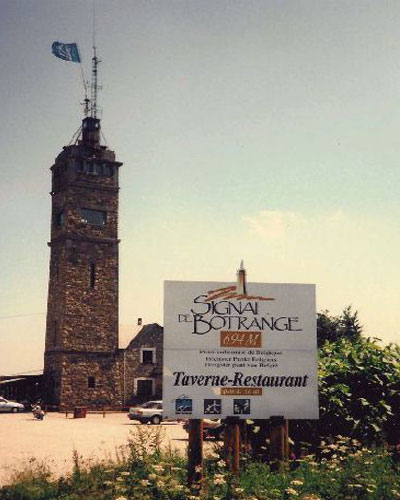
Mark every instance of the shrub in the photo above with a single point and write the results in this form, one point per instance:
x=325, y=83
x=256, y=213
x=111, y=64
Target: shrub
x=359, y=384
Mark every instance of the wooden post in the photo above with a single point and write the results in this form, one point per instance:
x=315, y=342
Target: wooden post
x=279, y=443
x=232, y=444
x=195, y=451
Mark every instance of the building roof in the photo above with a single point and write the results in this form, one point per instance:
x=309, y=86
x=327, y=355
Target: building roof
x=12, y=380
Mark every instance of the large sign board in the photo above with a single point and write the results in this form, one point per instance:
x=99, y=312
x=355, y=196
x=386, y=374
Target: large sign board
x=232, y=352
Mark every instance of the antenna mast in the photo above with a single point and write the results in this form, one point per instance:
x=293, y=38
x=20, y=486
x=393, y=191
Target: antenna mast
x=95, y=61
x=94, y=85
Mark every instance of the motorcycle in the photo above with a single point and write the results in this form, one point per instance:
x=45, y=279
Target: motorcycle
x=37, y=411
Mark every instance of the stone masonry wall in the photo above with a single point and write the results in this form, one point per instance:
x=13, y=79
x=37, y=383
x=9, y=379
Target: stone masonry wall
x=150, y=336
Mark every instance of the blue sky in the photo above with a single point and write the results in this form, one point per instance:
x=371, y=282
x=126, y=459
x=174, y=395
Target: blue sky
x=257, y=130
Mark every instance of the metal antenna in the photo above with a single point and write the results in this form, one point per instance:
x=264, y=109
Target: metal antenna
x=95, y=62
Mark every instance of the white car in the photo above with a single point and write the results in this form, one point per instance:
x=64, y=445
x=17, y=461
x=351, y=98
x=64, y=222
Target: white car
x=152, y=411
x=11, y=406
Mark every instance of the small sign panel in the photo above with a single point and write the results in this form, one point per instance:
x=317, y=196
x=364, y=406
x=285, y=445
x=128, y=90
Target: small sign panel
x=233, y=351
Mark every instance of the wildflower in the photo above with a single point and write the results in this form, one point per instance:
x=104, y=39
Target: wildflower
x=221, y=463
x=395, y=493
x=121, y=498
x=198, y=468
x=291, y=491
x=108, y=483
x=219, y=479
x=296, y=482
x=152, y=476
x=120, y=479
x=124, y=473
x=144, y=482
x=239, y=490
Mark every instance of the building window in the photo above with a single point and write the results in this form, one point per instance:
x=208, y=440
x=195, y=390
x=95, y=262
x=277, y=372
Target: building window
x=91, y=382
x=93, y=217
x=148, y=355
x=144, y=387
x=55, y=333
x=56, y=267
x=60, y=219
x=92, y=274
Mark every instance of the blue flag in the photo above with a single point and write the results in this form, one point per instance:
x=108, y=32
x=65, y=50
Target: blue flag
x=66, y=51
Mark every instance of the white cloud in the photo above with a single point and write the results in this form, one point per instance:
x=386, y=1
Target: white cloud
x=273, y=223
x=276, y=224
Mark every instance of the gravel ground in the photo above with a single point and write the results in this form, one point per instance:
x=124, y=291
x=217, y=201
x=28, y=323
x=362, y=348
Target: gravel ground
x=55, y=438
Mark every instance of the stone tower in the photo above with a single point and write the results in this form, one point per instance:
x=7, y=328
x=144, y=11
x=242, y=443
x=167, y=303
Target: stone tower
x=81, y=352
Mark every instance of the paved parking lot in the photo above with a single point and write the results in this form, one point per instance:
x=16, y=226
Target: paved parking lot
x=55, y=438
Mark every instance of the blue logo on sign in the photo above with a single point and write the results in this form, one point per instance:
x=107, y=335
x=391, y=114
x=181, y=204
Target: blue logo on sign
x=183, y=406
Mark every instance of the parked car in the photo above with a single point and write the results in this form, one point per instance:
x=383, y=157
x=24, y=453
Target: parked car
x=152, y=411
x=10, y=406
x=211, y=428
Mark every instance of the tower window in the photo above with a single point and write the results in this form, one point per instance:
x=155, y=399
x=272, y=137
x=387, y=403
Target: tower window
x=92, y=274
x=55, y=333
x=91, y=382
x=93, y=217
x=56, y=267
x=108, y=171
x=148, y=355
x=60, y=219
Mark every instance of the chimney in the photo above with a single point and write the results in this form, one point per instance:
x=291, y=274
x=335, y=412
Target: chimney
x=241, y=280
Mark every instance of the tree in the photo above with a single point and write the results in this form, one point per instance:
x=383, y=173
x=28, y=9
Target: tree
x=332, y=328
